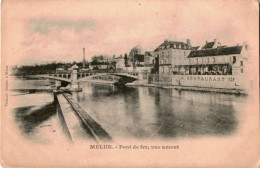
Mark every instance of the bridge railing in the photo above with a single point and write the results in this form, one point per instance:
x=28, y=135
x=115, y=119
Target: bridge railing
x=106, y=71
x=67, y=74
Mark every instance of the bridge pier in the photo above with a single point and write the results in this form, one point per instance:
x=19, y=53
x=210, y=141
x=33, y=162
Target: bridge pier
x=57, y=83
x=74, y=85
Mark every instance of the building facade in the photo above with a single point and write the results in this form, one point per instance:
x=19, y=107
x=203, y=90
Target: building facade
x=120, y=63
x=148, y=59
x=171, y=53
x=218, y=60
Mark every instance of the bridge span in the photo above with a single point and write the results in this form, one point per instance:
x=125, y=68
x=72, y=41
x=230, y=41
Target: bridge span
x=72, y=78
x=56, y=77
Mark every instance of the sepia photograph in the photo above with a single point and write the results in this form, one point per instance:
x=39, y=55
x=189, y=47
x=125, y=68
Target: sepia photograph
x=171, y=83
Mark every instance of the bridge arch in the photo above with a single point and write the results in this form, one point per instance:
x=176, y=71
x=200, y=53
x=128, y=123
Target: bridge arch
x=122, y=75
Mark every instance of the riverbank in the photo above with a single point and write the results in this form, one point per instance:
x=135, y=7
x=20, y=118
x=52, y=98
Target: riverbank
x=100, y=81
x=190, y=88
x=186, y=88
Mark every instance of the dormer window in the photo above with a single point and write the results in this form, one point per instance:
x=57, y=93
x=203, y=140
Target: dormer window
x=174, y=46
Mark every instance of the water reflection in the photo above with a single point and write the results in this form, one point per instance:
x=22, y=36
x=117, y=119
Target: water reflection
x=28, y=119
x=138, y=112
x=149, y=113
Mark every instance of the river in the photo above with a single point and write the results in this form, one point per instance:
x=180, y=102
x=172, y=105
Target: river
x=133, y=112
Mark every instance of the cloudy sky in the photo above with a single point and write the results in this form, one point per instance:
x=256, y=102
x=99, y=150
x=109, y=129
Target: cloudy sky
x=45, y=31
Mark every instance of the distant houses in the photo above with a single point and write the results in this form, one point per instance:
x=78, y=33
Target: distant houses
x=98, y=65
x=171, y=58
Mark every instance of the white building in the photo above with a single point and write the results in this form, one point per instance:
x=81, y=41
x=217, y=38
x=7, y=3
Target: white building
x=120, y=63
x=172, y=53
x=217, y=60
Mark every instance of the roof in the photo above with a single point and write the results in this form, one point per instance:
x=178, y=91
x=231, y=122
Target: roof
x=168, y=44
x=216, y=52
x=195, y=48
x=208, y=45
x=148, y=53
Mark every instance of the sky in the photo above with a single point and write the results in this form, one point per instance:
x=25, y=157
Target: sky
x=35, y=32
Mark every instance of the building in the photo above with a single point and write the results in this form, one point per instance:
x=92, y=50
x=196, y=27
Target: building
x=98, y=65
x=214, y=60
x=148, y=59
x=120, y=63
x=211, y=45
x=171, y=53
x=60, y=70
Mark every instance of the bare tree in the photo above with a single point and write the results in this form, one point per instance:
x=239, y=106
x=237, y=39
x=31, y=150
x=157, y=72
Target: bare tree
x=134, y=51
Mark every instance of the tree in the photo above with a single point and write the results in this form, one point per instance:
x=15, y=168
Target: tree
x=97, y=58
x=155, y=69
x=134, y=51
x=125, y=58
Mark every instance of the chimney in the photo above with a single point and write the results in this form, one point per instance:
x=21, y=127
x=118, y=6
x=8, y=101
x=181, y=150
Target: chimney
x=245, y=45
x=84, y=60
x=188, y=44
x=215, y=43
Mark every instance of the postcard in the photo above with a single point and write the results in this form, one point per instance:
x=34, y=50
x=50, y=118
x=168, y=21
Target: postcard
x=154, y=84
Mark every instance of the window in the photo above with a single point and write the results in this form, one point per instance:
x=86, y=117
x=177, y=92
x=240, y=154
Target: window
x=162, y=54
x=168, y=53
x=241, y=63
x=162, y=61
x=234, y=59
x=214, y=59
x=207, y=60
x=241, y=70
x=145, y=76
x=197, y=60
